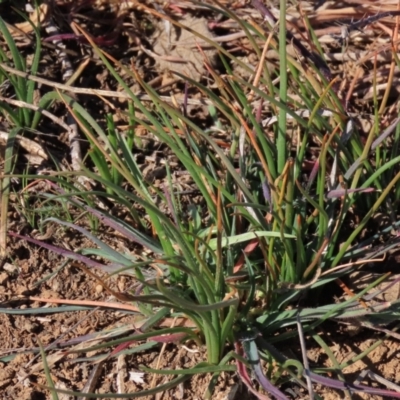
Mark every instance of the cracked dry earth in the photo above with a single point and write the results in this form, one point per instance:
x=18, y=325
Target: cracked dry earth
x=30, y=275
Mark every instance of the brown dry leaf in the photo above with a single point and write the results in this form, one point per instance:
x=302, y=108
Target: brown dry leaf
x=38, y=16
x=179, y=50
x=30, y=146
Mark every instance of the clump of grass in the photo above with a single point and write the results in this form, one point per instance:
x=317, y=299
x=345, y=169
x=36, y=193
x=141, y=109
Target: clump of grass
x=272, y=226
x=19, y=118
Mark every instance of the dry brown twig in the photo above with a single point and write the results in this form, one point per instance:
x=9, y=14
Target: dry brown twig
x=28, y=145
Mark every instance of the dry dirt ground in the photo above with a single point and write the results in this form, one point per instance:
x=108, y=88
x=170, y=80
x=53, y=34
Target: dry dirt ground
x=132, y=34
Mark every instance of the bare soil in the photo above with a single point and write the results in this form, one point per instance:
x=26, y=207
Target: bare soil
x=133, y=35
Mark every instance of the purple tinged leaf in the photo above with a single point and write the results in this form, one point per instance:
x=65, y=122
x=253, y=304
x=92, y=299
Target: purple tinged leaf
x=267, y=193
x=313, y=175
x=266, y=14
x=251, y=352
x=139, y=289
x=78, y=340
x=135, y=237
x=63, y=36
x=305, y=357
x=109, y=221
x=173, y=337
x=242, y=371
x=69, y=254
x=385, y=134
x=110, y=253
x=342, y=192
x=333, y=383
x=246, y=379
x=266, y=384
x=121, y=347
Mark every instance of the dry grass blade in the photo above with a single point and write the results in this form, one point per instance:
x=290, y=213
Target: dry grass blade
x=23, y=104
x=96, y=92
x=92, y=380
x=28, y=145
x=305, y=358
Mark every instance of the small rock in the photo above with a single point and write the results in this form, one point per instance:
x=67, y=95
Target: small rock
x=3, y=278
x=10, y=268
x=30, y=326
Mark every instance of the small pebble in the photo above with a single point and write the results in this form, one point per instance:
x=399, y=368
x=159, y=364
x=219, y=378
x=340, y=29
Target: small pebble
x=3, y=278
x=10, y=268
